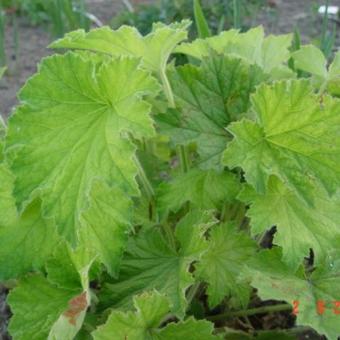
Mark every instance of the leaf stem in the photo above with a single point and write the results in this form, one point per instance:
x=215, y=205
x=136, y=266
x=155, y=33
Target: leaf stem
x=251, y=311
x=167, y=88
x=193, y=291
x=182, y=150
x=183, y=157
x=144, y=180
x=169, y=234
x=236, y=13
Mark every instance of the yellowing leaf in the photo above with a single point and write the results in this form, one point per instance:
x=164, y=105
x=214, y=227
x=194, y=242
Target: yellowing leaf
x=73, y=127
x=154, y=49
x=294, y=137
x=269, y=53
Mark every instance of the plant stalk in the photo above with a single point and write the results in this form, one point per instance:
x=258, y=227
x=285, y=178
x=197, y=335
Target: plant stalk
x=167, y=87
x=144, y=180
x=193, y=291
x=251, y=311
x=237, y=13
x=169, y=234
x=183, y=157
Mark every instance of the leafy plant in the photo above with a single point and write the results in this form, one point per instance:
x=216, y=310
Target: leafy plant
x=220, y=14
x=62, y=15
x=136, y=195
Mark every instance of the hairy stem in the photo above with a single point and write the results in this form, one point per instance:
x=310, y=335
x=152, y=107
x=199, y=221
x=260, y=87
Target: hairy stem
x=193, y=291
x=148, y=189
x=251, y=311
x=183, y=157
x=144, y=180
x=167, y=88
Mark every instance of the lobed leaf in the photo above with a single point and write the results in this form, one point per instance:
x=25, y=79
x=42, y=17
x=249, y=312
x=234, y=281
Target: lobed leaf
x=52, y=307
x=143, y=324
x=204, y=189
x=269, y=53
x=299, y=226
x=106, y=223
x=152, y=262
x=294, y=137
x=27, y=240
x=153, y=49
x=275, y=280
x=220, y=266
x=72, y=128
x=208, y=98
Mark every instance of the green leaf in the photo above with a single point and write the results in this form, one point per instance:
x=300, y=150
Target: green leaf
x=201, y=23
x=69, y=267
x=154, y=49
x=275, y=280
x=294, y=137
x=220, y=266
x=151, y=308
x=310, y=59
x=204, y=189
x=209, y=97
x=8, y=211
x=299, y=226
x=268, y=53
x=26, y=240
x=26, y=243
x=73, y=128
x=36, y=305
x=190, y=329
x=334, y=76
x=142, y=324
x=106, y=223
x=52, y=307
x=151, y=262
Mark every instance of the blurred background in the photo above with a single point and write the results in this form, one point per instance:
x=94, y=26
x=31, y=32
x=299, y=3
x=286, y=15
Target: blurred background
x=28, y=26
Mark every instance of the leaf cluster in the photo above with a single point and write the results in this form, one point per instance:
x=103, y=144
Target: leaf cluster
x=136, y=195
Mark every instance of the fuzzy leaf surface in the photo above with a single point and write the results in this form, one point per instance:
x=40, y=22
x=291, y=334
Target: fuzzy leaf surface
x=220, y=266
x=299, y=226
x=152, y=263
x=204, y=189
x=73, y=128
x=294, y=137
x=142, y=324
x=27, y=239
x=269, y=53
x=209, y=97
x=311, y=59
x=154, y=49
x=105, y=224
x=52, y=307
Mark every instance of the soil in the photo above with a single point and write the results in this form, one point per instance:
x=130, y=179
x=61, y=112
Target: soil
x=281, y=16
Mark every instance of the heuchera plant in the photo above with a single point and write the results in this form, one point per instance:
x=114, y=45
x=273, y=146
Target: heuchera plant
x=137, y=194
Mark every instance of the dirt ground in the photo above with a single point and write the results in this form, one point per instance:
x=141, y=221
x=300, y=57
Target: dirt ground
x=281, y=17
